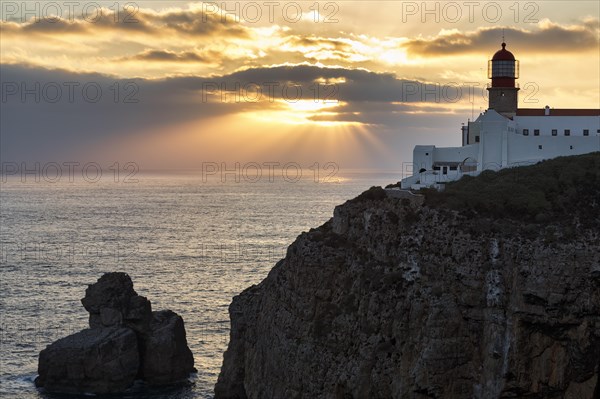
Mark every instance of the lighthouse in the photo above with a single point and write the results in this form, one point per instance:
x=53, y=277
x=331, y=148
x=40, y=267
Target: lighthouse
x=503, y=69
x=504, y=135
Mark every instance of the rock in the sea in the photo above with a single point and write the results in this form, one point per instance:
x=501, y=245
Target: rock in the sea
x=126, y=341
x=102, y=360
x=112, y=301
x=165, y=353
x=395, y=300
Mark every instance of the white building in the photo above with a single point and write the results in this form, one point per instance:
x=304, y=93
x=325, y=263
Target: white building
x=505, y=135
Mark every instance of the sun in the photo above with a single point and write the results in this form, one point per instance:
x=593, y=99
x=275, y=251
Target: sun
x=310, y=106
x=304, y=112
x=394, y=57
x=311, y=112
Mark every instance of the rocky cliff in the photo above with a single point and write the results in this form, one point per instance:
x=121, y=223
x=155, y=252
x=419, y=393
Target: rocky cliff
x=392, y=298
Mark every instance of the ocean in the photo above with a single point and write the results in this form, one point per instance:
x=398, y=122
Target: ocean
x=189, y=244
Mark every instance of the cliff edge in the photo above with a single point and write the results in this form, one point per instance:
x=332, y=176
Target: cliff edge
x=490, y=289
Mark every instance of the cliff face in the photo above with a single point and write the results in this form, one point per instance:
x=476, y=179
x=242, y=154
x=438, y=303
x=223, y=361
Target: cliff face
x=391, y=299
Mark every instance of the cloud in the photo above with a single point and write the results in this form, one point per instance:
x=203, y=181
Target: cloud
x=193, y=42
x=36, y=127
x=58, y=26
x=352, y=85
x=323, y=48
x=313, y=42
x=168, y=56
x=189, y=22
x=547, y=38
x=39, y=128
x=196, y=23
x=187, y=39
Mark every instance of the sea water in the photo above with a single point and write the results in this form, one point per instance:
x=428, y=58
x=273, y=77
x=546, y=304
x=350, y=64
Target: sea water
x=189, y=243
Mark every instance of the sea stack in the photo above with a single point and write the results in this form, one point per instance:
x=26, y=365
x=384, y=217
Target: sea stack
x=126, y=341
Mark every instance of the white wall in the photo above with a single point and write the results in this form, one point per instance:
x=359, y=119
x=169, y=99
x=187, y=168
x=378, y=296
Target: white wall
x=522, y=149
x=546, y=123
x=491, y=140
x=456, y=154
x=502, y=144
x=422, y=158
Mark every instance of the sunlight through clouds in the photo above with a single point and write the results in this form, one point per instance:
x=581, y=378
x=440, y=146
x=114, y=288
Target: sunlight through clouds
x=367, y=57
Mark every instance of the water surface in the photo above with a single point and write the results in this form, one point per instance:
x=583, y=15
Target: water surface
x=188, y=245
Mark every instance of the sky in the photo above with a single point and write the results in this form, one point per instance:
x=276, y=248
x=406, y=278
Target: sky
x=174, y=85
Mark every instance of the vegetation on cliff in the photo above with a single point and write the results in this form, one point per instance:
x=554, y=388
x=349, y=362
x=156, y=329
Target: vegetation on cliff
x=561, y=189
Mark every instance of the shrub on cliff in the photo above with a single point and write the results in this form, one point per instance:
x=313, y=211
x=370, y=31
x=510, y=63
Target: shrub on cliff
x=552, y=190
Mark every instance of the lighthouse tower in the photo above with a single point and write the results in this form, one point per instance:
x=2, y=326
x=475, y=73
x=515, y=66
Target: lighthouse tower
x=503, y=69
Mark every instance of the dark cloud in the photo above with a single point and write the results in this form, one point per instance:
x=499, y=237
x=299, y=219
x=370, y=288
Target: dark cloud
x=169, y=56
x=358, y=85
x=193, y=23
x=36, y=128
x=197, y=23
x=59, y=26
x=549, y=38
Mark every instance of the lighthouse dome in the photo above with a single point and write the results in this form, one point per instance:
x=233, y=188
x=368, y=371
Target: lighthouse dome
x=503, y=54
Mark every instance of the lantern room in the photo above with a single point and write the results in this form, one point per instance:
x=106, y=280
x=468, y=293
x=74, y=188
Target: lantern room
x=503, y=69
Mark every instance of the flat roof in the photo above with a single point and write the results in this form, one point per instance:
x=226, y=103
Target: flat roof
x=558, y=112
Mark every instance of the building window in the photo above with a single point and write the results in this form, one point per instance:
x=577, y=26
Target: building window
x=554, y=132
x=525, y=132
x=567, y=132
x=436, y=168
x=452, y=167
x=571, y=147
x=477, y=139
x=586, y=132
x=426, y=154
x=536, y=132
x=539, y=147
